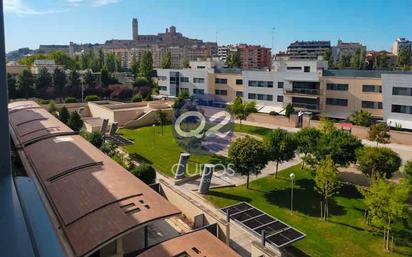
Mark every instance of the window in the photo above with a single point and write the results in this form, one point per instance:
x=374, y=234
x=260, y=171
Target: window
x=220, y=92
x=337, y=87
x=293, y=68
x=197, y=91
x=337, y=101
x=371, y=105
x=162, y=78
x=220, y=81
x=198, y=80
x=239, y=82
x=251, y=96
x=239, y=93
x=402, y=109
x=280, y=98
x=306, y=69
x=201, y=67
x=372, y=88
x=184, y=79
x=280, y=84
x=162, y=88
x=261, y=97
x=260, y=83
x=405, y=91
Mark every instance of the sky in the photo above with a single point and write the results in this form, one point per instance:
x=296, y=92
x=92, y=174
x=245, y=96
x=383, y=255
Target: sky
x=375, y=23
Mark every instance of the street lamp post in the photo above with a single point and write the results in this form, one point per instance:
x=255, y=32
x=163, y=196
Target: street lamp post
x=292, y=177
x=154, y=134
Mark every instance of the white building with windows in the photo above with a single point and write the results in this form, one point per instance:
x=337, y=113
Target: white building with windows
x=397, y=99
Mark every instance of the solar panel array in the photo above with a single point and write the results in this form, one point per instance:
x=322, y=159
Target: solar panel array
x=278, y=233
x=119, y=140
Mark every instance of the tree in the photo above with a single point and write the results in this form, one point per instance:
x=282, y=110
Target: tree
x=356, y=61
x=110, y=62
x=136, y=99
x=387, y=203
x=247, y=155
x=52, y=108
x=340, y=145
x=25, y=83
x=91, y=98
x=344, y=61
x=11, y=85
x=141, y=82
x=381, y=61
x=280, y=146
x=307, y=140
x=327, y=182
x=186, y=63
x=362, y=118
x=95, y=138
x=379, y=133
x=89, y=79
x=240, y=109
x=166, y=60
x=326, y=125
x=233, y=60
x=105, y=77
x=404, y=57
x=145, y=173
x=134, y=66
x=161, y=118
x=74, y=78
x=146, y=66
x=378, y=161
x=289, y=110
x=60, y=81
x=327, y=56
x=75, y=122
x=44, y=79
x=407, y=171
x=64, y=115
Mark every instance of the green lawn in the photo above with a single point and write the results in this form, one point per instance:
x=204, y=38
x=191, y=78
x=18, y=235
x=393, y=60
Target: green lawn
x=259, y=131
x=345, y=235
x=159, y=150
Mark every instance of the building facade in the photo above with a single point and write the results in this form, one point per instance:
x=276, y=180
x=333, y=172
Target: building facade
x=254, y=56
x=400, y=43
x=345, y=49
x=307, y=49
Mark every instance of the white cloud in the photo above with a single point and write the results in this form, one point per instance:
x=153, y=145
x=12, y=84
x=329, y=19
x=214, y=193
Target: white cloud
x=95, y=3
x=21, y=8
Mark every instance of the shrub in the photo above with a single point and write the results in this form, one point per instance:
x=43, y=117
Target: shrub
x=95, y=138
x=52, y=108
x=273, y=113
x=75, y=122
x=91, y=98
x=108, y=148
x=141, y=82
x=69, y=100
x=43, y=101
x=64, y=115
x=137, y=98
x=379, y=133
x=362, y=118
x=120, y=92
x=145, y=173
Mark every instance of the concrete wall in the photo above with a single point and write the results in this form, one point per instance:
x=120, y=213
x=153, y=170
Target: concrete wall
x=258, y=250
x=230, y=87
x=279, y=120
x=191, y=208
x=99, y=111
x=148, y=118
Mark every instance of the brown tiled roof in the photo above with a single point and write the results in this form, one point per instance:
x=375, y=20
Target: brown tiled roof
x=94, y=199
x=197, y=244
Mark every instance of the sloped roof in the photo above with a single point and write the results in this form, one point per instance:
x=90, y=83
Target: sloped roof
x=94, y=199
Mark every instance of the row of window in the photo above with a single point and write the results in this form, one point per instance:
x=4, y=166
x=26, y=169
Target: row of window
x=264, y=97
x=402, y=109
x=344, y=102
x=345, y=87
x=260, y=83
x=220, y=92
x=220, y=81
x=405, y=91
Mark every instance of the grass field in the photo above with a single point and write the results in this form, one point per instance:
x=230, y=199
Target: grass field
x=346, y=233
x=159, y=150
x=259, y=131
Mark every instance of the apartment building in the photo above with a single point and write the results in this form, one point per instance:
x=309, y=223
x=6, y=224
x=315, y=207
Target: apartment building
x=226, y=84
x=307, y=49
x=254, y=56
x=49, y=65
x=400, y=43
x=397, y=99
x=224, y=51
x=346, y=91
x=345, y=49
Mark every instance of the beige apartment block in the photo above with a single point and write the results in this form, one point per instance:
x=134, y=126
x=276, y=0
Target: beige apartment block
x=226, y=85
x=343, y=95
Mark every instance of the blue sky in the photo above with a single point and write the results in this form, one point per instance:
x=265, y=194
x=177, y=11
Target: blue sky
x=375, y=23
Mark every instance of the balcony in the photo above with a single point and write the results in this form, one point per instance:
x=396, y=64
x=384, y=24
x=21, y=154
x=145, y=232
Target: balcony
x=306, y=106
x=302, y=91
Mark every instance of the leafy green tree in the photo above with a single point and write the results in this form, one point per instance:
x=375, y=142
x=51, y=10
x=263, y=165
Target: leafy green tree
x=134, y=66
x=166, y=60
x=89, y=79
x=75, y=122
x=145, y=173
x=327, y=56
x=25, y=83
x=247, y=155
x=404, y=57
x=356, y=61
x=340, y=145
x=326, y=125
x=141, y=82
x=137, y=98
x=64, y=115
x=95, y=138
x=233, y=60
x=379, y=133
x=241, y=109
x=378, y=161
x=387, y=203
x=44, y=79
x=105, y=77
x=162, y=118
x=381, y=61
x=186, y=63
x=362, y=118
x=280, y=146
x=307, y=140
x=52, y=108
x=344, y=61
x=289, y=110
x=407, y=171
x=146, y=66
x=11, y=85
x=74, y=78
x=91, y=98
x=327, y=183
x=110, y=62
x=60, y=81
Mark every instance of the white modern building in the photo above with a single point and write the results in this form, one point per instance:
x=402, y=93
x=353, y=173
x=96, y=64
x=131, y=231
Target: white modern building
x=397, y=99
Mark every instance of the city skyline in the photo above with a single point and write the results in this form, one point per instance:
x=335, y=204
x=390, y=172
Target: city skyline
x=84, y=21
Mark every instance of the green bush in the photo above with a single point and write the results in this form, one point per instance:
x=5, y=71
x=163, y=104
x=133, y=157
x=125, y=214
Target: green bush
x=43, y=101
x=69, y=100
x=75, y=122
x=362, y=118
x=145, y=173
x=91, y=98
x=137, y=98
x=64, y=115
x=95, y=138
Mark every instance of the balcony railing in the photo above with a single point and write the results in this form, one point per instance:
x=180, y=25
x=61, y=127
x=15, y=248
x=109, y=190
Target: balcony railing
x=306, y=106
x=303, y=91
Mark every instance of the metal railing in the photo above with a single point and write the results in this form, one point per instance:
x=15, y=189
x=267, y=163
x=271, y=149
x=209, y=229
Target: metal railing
x=304, y=91
x=306, y=106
